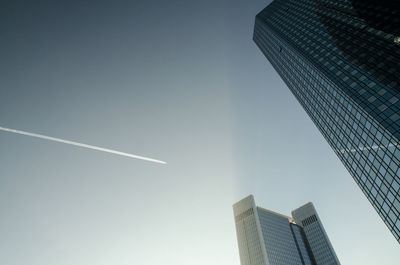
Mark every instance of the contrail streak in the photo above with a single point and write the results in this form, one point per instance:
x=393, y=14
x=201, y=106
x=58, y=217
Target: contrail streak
x=81, y=145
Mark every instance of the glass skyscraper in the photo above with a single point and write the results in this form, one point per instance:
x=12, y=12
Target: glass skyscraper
x=341, y=60
x=269, y=238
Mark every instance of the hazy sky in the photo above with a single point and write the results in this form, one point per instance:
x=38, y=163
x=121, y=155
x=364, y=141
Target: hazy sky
x=180, y=81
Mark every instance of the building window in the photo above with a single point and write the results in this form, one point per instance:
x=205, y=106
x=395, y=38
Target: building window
x=397, y=40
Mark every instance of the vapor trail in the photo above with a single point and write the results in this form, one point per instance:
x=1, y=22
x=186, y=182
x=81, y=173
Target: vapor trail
x=81, y=145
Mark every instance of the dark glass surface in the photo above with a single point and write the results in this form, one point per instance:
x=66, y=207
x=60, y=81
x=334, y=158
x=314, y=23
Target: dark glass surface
x=342, y=64
x=379, y=14
x=374, y=26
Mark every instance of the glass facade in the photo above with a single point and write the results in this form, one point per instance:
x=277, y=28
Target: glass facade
x=278, y=238
x=251, y=249
x=307, y=217
x=269, y=238
x=302, y=245
x=340, y=59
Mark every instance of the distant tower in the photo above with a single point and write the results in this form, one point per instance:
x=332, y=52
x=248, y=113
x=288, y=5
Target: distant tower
x=307, y=217
x=341, y=60
x=269, y=238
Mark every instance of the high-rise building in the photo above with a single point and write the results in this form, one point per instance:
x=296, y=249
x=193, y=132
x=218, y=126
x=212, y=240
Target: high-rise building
x=340, y=59
x=269, y=238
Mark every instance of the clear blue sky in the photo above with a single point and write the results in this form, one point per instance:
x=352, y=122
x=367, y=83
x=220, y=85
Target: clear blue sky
x=181, y=81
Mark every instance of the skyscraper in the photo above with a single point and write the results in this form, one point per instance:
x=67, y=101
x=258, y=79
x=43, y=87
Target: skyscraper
x=269, y=238
x=340, y=59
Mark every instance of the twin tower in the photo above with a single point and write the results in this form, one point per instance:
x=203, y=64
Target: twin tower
x=269, y=238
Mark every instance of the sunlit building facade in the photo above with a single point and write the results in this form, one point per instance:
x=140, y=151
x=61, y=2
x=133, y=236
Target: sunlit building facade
x=269, y=238
x=340, y=59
